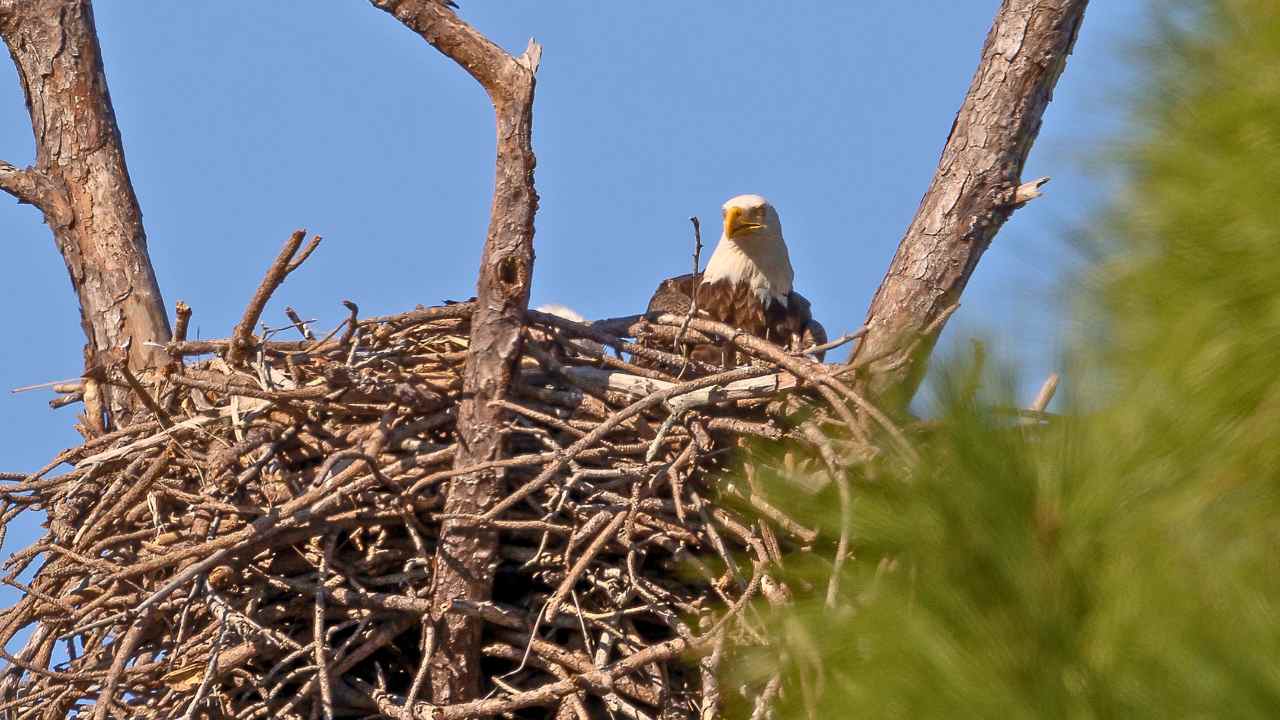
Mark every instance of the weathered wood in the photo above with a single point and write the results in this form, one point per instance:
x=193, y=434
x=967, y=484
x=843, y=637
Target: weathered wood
x=636, y=386
x=466, y=555
x=973, y=192
x=81, y=184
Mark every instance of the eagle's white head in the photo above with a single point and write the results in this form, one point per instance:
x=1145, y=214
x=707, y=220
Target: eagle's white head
x=752, y=250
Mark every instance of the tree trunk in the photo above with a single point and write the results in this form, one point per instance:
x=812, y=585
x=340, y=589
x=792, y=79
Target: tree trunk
x=81, y=184
x=974, y=190
x=466, y=555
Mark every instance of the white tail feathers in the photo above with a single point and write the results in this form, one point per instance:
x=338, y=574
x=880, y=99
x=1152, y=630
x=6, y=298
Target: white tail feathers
x=567, y=313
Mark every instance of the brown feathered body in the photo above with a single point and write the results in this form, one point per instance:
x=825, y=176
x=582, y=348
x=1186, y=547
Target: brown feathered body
x=738, y=304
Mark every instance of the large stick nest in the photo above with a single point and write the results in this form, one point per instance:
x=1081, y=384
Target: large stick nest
x=260, y=541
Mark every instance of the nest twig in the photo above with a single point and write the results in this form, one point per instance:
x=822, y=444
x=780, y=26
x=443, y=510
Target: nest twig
x=260, y=543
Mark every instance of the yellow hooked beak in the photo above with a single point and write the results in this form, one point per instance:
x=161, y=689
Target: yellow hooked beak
x=735, y=225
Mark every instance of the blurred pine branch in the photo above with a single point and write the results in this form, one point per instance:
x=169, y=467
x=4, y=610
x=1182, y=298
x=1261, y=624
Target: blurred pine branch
x=1125, y=563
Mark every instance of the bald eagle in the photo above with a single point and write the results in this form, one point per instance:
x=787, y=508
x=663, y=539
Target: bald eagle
x=747, y=283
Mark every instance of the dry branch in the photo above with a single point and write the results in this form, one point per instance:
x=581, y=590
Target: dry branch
x=976, y=187
x=1046, y=393
x=467, y=553
x=242, y=335
x=81, y=184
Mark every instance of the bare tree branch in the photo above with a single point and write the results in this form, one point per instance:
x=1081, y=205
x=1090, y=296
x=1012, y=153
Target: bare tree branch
x=974, y=190
x=467, y=553
x=242, y=336
x=81, y=184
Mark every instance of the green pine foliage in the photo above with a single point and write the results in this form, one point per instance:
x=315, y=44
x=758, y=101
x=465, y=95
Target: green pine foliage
x=1125, y=560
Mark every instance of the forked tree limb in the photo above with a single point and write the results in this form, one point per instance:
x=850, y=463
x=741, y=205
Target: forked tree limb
x=466, y=555
x=81, y=184
x=975, y=189
x=286, y=262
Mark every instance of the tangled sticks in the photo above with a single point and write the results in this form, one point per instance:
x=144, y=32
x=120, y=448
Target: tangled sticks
x=260, y=542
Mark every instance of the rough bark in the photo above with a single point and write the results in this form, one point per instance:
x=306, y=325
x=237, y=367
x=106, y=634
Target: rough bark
x=81, y=184
x=973, y=192
x=466, y=555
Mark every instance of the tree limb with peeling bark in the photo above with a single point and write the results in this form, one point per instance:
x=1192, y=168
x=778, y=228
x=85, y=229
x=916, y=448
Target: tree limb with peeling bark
x=977, y=186
x=80, y=183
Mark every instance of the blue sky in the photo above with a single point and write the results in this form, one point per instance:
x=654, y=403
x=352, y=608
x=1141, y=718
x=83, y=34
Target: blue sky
x=244, y=120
